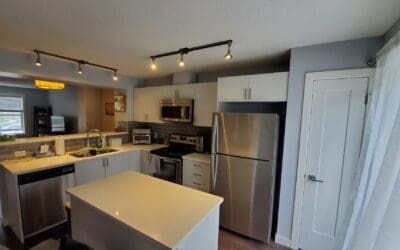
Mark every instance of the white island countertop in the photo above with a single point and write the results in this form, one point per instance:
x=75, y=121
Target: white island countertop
x=159, y=210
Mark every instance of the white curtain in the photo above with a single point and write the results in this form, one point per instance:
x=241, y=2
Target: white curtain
x=373, y=221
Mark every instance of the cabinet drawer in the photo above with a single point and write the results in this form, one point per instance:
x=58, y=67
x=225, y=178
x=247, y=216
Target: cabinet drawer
x=196, y=175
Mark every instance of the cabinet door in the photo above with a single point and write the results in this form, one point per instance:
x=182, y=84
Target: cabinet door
x=147, y=102
x=268, y=87
x=205, y=104
x=233, y=89
x=89, y=170
x=134, y=160
x=117, y=163
x=145, y=162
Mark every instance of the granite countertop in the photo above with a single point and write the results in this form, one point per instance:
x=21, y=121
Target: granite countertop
x=166, y=213
x=27, y=165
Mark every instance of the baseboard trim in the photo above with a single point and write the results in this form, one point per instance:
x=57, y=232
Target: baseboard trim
x=284, y=241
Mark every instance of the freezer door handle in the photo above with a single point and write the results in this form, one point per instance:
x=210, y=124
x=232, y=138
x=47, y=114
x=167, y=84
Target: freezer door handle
x=214, y=139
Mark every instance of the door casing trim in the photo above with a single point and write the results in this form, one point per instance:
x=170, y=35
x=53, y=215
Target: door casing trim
x=304, y=135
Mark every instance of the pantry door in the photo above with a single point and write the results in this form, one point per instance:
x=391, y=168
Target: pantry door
x=333, y=111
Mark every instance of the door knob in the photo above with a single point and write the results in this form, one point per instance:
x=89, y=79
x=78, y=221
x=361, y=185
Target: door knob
x=313, y=178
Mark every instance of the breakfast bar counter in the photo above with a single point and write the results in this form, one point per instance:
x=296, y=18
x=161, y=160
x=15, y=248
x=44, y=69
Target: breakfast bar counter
x=135, y=211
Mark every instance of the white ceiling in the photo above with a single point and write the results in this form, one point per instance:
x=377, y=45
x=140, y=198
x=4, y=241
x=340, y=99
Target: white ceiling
x=124, y=33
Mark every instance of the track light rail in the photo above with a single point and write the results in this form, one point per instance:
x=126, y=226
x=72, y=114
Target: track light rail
x=186, y=50
x=82, y=62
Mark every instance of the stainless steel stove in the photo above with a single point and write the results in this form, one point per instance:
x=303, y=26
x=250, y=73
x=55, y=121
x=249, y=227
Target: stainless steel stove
x=168, y=161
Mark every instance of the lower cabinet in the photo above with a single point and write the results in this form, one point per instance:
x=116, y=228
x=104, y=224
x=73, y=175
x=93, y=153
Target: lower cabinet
x=145, y=163
x=100, y=167
x=196, y=174
x=89, y=170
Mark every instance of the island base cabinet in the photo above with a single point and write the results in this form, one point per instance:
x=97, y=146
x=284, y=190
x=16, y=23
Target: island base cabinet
x=102, y=232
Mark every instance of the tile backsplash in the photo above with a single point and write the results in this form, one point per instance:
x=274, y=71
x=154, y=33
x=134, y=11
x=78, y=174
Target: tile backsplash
x=161, y=131
x=7, y=152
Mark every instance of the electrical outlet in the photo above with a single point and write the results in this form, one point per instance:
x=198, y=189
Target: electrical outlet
x=19, y=154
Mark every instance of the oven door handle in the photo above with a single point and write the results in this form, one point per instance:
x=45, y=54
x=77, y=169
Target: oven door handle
x=169, y=160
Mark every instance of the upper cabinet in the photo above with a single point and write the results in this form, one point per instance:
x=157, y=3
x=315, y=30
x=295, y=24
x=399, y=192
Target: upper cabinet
x=147, y=101
x=253, y=88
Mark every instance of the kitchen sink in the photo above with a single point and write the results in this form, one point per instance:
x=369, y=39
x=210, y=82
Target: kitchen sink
x=90, y=152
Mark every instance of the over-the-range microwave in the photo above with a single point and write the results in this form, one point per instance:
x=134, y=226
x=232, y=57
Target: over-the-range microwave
x=177, y=110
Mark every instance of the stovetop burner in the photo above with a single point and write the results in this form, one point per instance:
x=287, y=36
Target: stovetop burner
x=180, y=145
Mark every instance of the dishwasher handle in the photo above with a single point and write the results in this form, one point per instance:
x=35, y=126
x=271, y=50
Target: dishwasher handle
x=45, y=174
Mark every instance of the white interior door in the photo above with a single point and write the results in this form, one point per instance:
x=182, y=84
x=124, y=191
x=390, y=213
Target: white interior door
x=336, y=120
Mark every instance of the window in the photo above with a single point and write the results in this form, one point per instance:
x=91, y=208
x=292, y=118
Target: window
x=12, y=115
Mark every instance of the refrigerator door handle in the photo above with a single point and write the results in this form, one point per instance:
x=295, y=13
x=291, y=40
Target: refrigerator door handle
x=214, y=139
x=214, y=170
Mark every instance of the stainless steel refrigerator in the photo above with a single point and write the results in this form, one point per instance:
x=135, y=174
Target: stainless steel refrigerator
x=244, y=154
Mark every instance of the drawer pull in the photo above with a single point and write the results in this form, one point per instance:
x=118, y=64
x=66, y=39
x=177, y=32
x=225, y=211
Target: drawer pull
x=197, y=174
x=197, y=165
x=196, y=183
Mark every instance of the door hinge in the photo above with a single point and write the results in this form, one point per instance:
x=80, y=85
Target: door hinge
x=366, y=99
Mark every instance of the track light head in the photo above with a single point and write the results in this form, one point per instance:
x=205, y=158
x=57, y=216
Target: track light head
x=38, y=63
x=80, y=68
x=228, y=55
x=115, y=75
x=181, y=62
x=153, y=64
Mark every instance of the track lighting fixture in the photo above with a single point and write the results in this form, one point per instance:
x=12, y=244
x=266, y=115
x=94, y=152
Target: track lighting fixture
x=80, y=63
x=182, y=51
x=181, y=62
x=115, y=76
x=38, y=63
x=153, y=64
x=228, y=55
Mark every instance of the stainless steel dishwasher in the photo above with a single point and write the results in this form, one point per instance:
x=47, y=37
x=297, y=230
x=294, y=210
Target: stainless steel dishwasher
x=42, y=198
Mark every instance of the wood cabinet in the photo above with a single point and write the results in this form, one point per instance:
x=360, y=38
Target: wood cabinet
x=270, y=87
x=147, y=101
x=196, y=172
x=99, y=167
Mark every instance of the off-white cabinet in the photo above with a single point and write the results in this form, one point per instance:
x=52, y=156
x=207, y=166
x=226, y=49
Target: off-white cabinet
x=196, y=172
x=270, y=87
x=100, y=167
x=147, y=101
x=89, y=170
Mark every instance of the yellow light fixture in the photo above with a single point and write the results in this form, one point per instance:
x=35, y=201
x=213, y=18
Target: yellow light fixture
x=41, y=84
x=181, y=62
x=153, y=64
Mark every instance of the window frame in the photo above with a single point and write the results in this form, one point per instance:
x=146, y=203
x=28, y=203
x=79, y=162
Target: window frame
x=20, y=111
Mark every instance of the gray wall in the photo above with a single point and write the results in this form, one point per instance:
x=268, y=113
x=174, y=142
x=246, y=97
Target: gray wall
x=32, y=98
x=332, y=56
x=66, y=103
x=392, y=31
x=19, y=64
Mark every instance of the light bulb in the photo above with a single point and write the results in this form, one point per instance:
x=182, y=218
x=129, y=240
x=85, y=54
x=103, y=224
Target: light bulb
x=115, y=76
x=153, y=64
x=228, y=55
x=80, y=69
x=181, y=62
x=38, y=63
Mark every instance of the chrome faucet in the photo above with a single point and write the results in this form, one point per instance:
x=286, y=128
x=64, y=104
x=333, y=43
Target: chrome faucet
x=99, y=139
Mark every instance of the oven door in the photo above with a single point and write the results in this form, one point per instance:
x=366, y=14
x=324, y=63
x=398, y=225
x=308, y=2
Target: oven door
x=169, y=169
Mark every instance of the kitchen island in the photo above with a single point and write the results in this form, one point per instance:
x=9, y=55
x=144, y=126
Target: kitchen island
x=134, y=211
